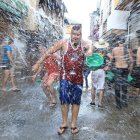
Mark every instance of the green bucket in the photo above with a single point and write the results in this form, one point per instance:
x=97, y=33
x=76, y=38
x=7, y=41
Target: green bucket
x=38, y=82
x=95, y=61
x=129, y=78
x=110, y=75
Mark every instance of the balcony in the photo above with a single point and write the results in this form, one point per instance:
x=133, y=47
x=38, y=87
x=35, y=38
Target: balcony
x=124, y=5
x=117, y=23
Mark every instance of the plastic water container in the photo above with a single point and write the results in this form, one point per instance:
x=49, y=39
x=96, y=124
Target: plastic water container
x=129, y=78
x=95, y=61
x=56, y=85
x=110, y=75
x=38, y=82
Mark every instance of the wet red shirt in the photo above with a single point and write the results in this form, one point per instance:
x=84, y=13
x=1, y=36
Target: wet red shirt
x=72, y=65
x=50, y=64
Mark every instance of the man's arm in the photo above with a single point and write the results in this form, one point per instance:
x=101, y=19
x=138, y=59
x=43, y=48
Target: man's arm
x=57, y=46
x=88, y=48
x=130, y=53
x=14, y=53
x=57, y=57
x=35, y=75
x=138, y=57
x=111, y=56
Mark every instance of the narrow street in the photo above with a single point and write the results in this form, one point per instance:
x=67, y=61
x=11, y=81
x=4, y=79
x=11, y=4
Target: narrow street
x=111, y=28
x=27, y=116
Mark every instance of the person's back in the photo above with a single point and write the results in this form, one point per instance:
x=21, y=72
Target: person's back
x=122, y=57
x=118, y=53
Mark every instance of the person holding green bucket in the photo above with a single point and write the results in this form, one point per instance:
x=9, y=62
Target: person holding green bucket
x=97, y=62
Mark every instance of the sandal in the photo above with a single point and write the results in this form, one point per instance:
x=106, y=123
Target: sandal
x=74, y=130
x=16, y=90
x=61, y=130
x=52, y=104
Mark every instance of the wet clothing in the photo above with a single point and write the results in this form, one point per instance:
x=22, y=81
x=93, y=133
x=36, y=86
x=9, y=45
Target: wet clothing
x=51, y=67
x=71, y=75
x=6, y=62
x=5, y=57
x=70, y=93
x=86, y=72
x=8, y=66
x=50, y=64
x=120, y=80
x=136, y=77
x=72, y=65
x=53, y=76
x=98, y=78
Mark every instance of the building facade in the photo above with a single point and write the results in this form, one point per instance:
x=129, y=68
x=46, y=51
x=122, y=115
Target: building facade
x=29, y=22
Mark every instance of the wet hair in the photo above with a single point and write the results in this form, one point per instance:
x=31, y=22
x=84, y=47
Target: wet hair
x=76, y=27
x=11, y=41
x=121, y=41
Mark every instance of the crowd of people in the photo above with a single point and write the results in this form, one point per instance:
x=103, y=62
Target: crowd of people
x=65, y=63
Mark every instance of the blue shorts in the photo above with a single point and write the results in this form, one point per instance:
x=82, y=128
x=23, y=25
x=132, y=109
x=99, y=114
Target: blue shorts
x=70, y=93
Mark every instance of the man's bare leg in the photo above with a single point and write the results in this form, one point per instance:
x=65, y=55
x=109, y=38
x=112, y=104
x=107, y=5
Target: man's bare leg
x=101, y=95
x=52, y=94
x=46, y=91
x=6, y=76
x=13, y=82
x=52, y=91
x=75, y=111
x=92, y=96
x=64, y=111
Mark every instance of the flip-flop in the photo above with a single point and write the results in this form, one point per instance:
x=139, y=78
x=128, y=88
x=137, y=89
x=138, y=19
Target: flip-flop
x=74, y=130
x=52, y=104
x=62, y=129
x=16, y=90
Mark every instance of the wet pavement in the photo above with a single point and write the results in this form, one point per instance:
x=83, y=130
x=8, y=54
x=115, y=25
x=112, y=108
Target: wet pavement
x=26, y=115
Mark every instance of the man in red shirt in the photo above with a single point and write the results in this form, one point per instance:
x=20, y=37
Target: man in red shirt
x=73, y=52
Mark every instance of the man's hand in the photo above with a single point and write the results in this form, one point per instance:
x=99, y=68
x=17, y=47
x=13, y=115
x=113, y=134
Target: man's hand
x=34, y=77
x=106, y=68
x=35, y=67
x=89, y=53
